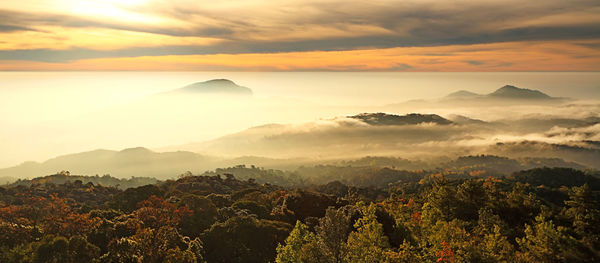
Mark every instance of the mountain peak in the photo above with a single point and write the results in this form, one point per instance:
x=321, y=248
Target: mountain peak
x=136, y=150
x=462, y=94
x=382, y=119
x=510, y=91
x=217, y=86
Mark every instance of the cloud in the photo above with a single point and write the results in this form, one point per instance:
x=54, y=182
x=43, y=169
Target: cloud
x=343, y=137
x=475, y=62
x=16, y=19
x=587, y=133
x=515, y=56
x=300, y=26
x=12, y=28
x=51, y=55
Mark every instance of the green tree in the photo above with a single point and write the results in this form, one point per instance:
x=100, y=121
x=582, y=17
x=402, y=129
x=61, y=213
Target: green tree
x=294, y=243
x=443, y=199
x=471, y=196
x=332, y=232
x=328, y=245
x=496, y=247
x=545, y=242
x=583, y=211
x=149, y=245
x=60, y=249
x=368, y=243
x=244, y=239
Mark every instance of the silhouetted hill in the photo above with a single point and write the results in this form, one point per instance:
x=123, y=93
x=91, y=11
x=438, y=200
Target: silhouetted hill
x=391, y=119
x=582, y=155
x=498, y=165
x=512, y=92
x=460, y=119
x=462, y=94
x=216, y=86
x=504, y=94
x=126, y=163
x=105, y=180
x=556, y=177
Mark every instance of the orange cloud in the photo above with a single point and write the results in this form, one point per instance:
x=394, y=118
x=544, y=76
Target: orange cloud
x=510, y=56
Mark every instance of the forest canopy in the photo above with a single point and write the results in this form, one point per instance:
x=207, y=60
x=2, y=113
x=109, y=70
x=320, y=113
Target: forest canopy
x=362, y=215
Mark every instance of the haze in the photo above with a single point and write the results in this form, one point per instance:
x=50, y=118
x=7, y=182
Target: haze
x=102, y=74
x=47, y=114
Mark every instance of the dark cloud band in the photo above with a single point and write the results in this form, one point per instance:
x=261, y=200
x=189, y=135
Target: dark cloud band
x=406, y=24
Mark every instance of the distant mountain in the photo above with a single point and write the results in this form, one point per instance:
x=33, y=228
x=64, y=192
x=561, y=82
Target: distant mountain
x=135, y=164
x=382, y=119
x=460, y=119
x=105, y=180
x=502, y=165
x=512, y=92
x=505, y=93
x=216, y=86
x=462, y=94
x=571, y=153
x=126, y=163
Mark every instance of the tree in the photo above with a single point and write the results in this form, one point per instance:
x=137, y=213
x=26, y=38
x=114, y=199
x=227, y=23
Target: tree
x=583, y=211
x=445, y=255
x=451, y=236
x=156, y=212
x=204, y=214
x=164, y=244
x=333, y=231
x=244, y=239
x=496, y=247
x=128, y=200
x=443, y=199
x=292, y=251
x=544, y=242
x=123, y=250
x=471, y=196
x=368, y=243
x=52, y=215
x=253, y=208
x=60, y=249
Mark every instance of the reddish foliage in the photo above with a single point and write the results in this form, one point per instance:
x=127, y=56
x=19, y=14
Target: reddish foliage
x=156, y=212
x=416, y=218
x=446, y=254
x=51, y=215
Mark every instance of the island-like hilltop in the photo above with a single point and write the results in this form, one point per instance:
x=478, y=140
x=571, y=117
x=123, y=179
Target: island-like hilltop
x=505, y=92
x=216, y=86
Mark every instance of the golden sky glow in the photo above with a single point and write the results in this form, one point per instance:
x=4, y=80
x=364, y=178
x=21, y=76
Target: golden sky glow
x=379, y=35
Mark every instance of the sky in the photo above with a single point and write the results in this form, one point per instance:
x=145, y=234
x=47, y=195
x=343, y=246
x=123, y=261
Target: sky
x=294, y=35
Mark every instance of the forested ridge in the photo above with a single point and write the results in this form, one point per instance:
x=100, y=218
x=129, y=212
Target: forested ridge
x=327, y=213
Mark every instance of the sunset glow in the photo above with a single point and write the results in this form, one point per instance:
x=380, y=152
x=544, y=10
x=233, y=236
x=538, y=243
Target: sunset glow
x=296, y=35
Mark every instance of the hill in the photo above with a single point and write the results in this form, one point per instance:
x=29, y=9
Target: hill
x=216, y=86
x=513, y=92
x=105, y=180
x=392, y=119
x=462, y=94
x=505, y=93
x=126, y=163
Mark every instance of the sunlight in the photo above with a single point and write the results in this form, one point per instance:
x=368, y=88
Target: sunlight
x=127, y=2
x=115, y=9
